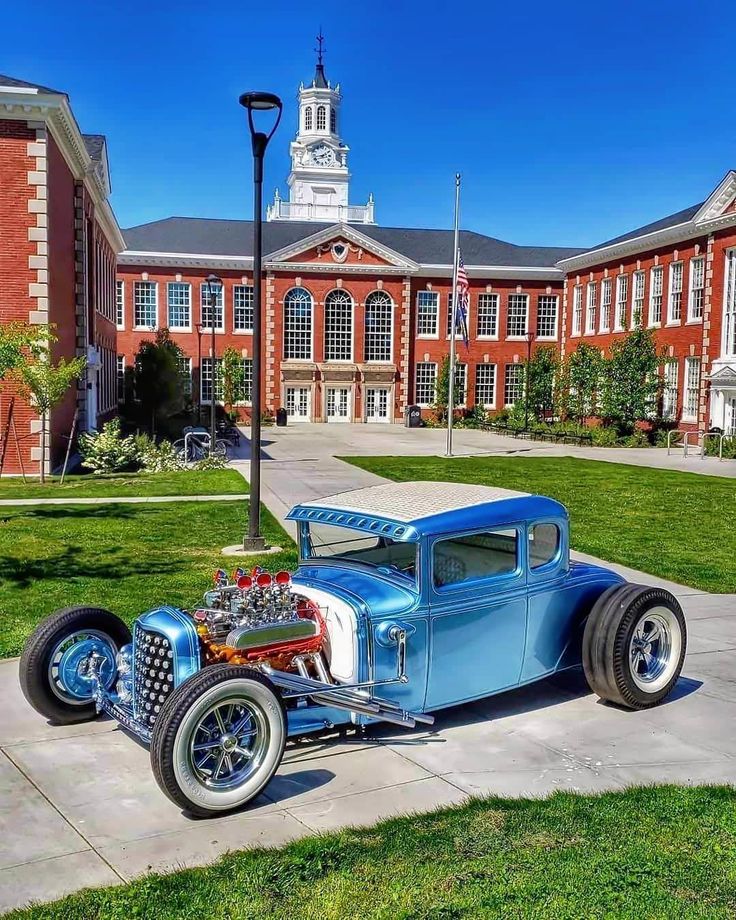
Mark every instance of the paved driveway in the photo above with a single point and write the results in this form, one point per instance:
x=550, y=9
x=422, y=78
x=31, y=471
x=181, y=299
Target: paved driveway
x=79, y=806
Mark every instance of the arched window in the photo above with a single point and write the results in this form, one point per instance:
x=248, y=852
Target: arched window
x=338, y=326
x=333, y=121
x=298, y=325
x=378, y=326
x=308, y=118
x=321, y=118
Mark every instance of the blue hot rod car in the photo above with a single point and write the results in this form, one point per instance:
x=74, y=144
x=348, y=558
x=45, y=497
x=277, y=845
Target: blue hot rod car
x=409, y=597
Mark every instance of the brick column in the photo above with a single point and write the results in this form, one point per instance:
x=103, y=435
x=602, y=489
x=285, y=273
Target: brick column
x=404, y=351
x=705, y=348
x=80, y=293
x=271, y=401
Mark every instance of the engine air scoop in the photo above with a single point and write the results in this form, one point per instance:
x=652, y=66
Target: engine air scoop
x=271, y=636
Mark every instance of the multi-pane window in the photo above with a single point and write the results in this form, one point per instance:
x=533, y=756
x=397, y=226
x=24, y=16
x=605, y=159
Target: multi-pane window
x=120, y=304
x=487, y=324
x=321, y=118
x=513, y=389
x=308, y=118
x=691, y=390
x=729, y=307
x=145, y=305
x=428, y=304
x=120, y=371
x=606, y=302
x=637, y=304
x=206, y=307
x=516, y=319
x=461, y=384
x=547, y=317
x=185, y=369
x=245, y=383
x=592, y=307
x=622, y=299
x=426, y=383
x=656, y=281
x=298, y=325
x=179, y=305
x=378, y=326
x=697, y=288
x=674, y=307
x=333, y=120
x=577, y=309
x=243, y=308
x=338, y=326
x=485, y=385
x=669, y=391
x=205, y=378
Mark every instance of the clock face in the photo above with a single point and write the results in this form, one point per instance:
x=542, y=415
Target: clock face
x=322, y=155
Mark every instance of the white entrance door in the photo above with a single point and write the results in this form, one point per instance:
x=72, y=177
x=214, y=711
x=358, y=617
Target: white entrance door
x=299, y=403
x=376, y=404
x=338, y=404
x=731, y=416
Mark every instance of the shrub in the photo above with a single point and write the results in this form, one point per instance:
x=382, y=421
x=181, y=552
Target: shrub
x=637, y=439
x=210, y=462
x=158, y=458
x=729, y=447
x=107, y=451
x=604, y=436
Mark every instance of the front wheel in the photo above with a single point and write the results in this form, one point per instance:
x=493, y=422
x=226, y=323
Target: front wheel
x=218, y=739
x=634, y=645
x=54, y=668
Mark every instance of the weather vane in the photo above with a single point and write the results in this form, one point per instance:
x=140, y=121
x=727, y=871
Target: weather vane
x=320, y=43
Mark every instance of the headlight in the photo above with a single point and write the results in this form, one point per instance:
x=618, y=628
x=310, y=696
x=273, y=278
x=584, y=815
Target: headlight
x=124, y=665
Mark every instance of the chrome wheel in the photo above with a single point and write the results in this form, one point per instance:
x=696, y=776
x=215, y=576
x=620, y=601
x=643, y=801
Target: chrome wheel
x=228, y=744
x=68, y=671
x=654, y=649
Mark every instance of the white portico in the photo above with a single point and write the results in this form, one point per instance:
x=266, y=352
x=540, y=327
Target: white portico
x=319, y=178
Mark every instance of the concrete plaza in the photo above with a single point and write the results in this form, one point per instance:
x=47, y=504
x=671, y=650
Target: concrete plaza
x=79, y=805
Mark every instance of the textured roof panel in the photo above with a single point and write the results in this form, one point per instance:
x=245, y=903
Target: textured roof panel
x=201, y=236
x=672, y=220
x=23, y=84
x=95, y=144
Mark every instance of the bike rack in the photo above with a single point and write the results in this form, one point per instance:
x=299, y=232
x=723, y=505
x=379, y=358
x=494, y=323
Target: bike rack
x=701, y=435
x=202, y=438
x=669, y=440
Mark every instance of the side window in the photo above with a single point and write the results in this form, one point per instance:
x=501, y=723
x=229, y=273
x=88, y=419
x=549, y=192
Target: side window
x=544, y=543
x=474, y=556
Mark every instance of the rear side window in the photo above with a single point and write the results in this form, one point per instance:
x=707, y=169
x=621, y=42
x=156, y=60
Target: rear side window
x=474, y=556
x=544, y=544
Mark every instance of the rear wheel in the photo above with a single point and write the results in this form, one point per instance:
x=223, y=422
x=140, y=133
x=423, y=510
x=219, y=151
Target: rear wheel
x=218, y=739
x=54, y=665
x=634, y=645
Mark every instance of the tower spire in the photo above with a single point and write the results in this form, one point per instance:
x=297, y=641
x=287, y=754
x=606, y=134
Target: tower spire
x=320, y=80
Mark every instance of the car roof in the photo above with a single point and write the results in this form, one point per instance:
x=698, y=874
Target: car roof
x=407, y=510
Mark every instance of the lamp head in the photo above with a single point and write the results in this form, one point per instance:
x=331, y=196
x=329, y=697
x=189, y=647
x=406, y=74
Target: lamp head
x=260, y=101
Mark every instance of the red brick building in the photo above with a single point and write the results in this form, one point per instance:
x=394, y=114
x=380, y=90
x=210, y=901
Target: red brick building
x=57, y=260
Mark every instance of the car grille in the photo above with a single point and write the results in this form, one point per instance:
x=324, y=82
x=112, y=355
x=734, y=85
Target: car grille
x=153, y=674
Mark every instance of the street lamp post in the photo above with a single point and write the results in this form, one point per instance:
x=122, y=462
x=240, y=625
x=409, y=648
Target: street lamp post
x=526, y=378
x=257, y=102
x=211, y=281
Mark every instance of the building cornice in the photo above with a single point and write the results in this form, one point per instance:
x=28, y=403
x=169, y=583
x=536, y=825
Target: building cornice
x=184, y=259
x=654, y=240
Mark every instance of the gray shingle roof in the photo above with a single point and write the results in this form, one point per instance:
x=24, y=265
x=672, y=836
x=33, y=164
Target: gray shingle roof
x=95, y=144
x=680, y=217
x=194, y=235
x=23, y=84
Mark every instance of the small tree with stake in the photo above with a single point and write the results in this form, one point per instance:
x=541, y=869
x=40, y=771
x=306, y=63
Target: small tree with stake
x=631, y=382
x=158, y=379
x=44, y=384
x=233, y=378
x=541, y=373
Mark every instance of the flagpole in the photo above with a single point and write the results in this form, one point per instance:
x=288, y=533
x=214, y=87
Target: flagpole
x=453, y=318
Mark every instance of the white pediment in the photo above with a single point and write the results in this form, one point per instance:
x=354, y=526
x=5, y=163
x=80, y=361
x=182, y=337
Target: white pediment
x=719, y=201
x=348, y=233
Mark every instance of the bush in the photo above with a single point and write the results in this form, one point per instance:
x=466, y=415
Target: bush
x=210, y=462
x=107, y=451
x=157, y=458
x=637, y=439
x=604, y=436
x=729, y=447
x=477, y=417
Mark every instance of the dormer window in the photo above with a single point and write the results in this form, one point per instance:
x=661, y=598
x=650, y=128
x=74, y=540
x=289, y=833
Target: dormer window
x=333, y=121
x=321, y=118
x=308, y=118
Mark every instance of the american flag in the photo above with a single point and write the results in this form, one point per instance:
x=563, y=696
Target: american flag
x=461, y=307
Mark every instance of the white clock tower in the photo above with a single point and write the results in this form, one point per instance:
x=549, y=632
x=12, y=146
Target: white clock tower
x=319, y=177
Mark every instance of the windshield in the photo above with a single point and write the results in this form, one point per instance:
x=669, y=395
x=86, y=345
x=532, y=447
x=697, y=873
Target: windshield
x=325, y=541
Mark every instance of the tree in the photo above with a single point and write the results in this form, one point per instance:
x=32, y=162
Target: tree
x=17, y=341
x=159, y=378
x=631, y=383
x=583, y=371
x=541, y=374
x=44, y=384
x=442, y=388
x=232, y=374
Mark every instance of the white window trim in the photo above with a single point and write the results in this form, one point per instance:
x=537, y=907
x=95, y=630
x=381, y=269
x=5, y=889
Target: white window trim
x=553, y=337
x=243, y=331
x=591, y=308
x=693, y=320
x=179, y=328
x=617, y=326
x=517, y=338
x=652, y=323
x=219, y=330
x=438, y=313
x=121, y=282
x=639, y=273
x=458, y=334
x=689, y=362
x=577, y=300
x=351, y=359
x=491, y=405
x=671, y=277
x=155, y=291
x=393, y=326
x=730, y=267
x=312, y=303
x=488, y=338
x=508, y=405
x=416, y=366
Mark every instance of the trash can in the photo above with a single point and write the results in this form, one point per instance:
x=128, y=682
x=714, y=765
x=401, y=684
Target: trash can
x=281, y=417
x=413, y=417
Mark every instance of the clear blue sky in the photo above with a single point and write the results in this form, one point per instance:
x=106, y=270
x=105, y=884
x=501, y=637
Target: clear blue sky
x=571, y=121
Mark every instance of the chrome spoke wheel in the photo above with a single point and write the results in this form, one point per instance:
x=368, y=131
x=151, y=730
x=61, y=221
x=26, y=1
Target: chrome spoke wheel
x=69, y=673
x=654, y=649
x=228, y=743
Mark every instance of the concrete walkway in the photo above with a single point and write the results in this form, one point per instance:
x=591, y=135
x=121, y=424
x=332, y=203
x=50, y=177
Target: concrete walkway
x=121, y=500
x=79, y=806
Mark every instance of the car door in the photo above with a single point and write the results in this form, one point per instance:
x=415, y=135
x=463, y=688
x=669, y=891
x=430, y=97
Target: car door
x=478, y=610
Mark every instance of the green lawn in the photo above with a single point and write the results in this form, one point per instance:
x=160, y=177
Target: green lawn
x=646, y=853
x=679, y=526
x=126, y=558
x=189, y=482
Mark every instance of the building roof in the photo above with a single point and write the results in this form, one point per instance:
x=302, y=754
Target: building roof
x=23, y=84
x=672, y=220
x=200, y=236
x=95, y=144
